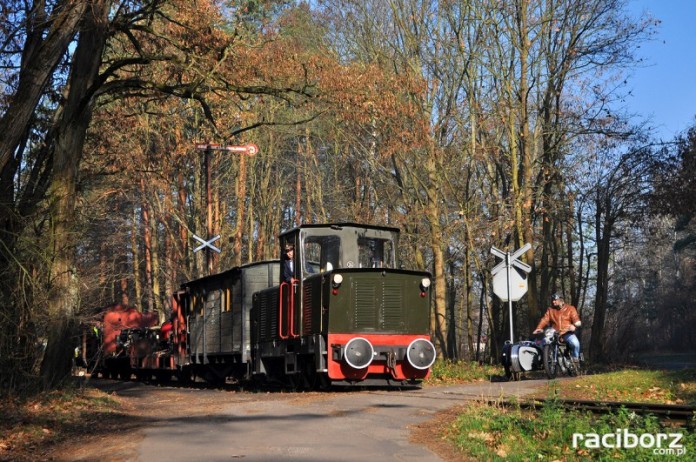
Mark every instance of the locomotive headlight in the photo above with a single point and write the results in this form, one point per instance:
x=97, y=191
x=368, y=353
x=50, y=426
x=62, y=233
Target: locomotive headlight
x=425, y=283
x=421, y=354
x=336, y=283
x=358, y=353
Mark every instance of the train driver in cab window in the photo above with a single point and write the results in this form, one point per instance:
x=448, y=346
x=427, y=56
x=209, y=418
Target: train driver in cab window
x=289, y=263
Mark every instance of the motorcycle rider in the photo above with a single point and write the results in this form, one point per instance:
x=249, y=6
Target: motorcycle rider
x=565, y=319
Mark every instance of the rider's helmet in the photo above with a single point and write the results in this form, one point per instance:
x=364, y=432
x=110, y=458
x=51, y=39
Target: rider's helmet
x=554, y=297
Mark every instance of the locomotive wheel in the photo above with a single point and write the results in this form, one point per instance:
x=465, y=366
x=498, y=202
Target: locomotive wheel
x=293, y=382
x=184, y=375
x=163, y=375
x=309, y=377
x=550, y=365
x=323, y=383
x=314, y=380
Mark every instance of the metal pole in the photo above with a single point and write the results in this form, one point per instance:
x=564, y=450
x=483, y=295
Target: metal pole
x=209, y=209
x=509, y=290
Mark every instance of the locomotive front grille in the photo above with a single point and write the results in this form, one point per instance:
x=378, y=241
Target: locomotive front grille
x=365, y=308
x=392, y=307
x=378, y=305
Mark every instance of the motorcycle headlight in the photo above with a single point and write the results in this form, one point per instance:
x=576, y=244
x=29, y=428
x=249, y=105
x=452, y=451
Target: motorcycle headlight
x=548, y=334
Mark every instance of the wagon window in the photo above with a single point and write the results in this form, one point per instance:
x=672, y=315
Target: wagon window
x=375, y=253
x=212, y=302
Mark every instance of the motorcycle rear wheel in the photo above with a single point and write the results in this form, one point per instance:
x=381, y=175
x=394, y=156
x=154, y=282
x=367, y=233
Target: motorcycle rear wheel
x=573, y=368
x=550, y=364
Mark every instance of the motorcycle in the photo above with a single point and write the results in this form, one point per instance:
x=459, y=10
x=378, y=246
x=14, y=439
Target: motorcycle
x=556, y=355
x=546, y=351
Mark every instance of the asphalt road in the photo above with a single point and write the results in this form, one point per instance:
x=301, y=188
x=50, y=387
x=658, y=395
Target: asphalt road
x=336, y=426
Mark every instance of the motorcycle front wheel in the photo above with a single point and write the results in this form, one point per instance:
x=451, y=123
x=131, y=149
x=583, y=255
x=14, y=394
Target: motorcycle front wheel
x=550, y=364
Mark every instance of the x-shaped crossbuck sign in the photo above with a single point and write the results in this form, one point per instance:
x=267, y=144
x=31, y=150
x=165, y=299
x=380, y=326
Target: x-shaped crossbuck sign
x=208, y=243
x=513, y=259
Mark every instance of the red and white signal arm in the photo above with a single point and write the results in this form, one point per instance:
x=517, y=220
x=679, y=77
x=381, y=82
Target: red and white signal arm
x=248, y=149
x=252, y=149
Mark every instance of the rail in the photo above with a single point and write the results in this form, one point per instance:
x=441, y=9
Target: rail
x=671, y=413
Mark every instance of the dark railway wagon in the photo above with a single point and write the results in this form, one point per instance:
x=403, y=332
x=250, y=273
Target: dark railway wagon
x=216, y=310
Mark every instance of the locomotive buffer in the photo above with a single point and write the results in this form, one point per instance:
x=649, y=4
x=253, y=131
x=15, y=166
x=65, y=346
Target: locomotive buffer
x=510, y=285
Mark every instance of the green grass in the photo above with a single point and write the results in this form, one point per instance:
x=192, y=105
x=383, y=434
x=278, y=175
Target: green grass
x=491, y=433
x=446, y=372
x=485, y=432
x=634, y=385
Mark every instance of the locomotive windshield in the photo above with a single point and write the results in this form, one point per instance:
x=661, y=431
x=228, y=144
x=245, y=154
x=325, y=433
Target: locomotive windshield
x=375, y=253
x=321, y=253
x=329, y=248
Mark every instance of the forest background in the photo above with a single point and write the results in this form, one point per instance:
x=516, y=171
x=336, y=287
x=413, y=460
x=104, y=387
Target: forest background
x=467, y=124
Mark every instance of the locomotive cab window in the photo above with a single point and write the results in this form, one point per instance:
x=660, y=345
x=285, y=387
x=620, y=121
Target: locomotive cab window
x=321, y=254
x=375, y=253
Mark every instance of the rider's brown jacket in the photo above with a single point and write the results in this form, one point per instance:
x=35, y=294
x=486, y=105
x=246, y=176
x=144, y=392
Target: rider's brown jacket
x=560, y=319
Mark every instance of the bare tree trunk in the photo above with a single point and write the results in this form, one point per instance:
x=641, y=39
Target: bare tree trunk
x=147, y=240
x=217, y=223
x=241, y=208
x=568, y=228
x=182, y=198
x=439, y=319
x=604, y=227
x=68, y=146
x=135, y=250
x=298, y=189
x=155, y=267
x=467, y=299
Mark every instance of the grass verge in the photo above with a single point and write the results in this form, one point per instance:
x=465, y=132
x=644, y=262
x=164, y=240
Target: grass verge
x=484, y=432
x=632, y=385
x=445, y=372
x=492, y=432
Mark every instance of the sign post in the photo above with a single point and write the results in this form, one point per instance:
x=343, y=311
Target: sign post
x=510, y=285
x=208, y=148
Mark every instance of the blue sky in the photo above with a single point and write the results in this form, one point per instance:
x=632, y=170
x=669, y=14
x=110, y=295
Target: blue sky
x=665, y=88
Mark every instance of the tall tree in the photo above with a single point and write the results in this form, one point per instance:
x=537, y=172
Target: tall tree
x=67, y=145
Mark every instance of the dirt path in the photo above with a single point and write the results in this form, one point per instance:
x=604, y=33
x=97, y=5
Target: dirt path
x=169, y=423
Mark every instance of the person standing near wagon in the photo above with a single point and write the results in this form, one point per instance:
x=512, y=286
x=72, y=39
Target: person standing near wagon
x=565, y=319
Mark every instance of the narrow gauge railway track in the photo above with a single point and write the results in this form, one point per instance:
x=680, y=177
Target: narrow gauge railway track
x=672, y=414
